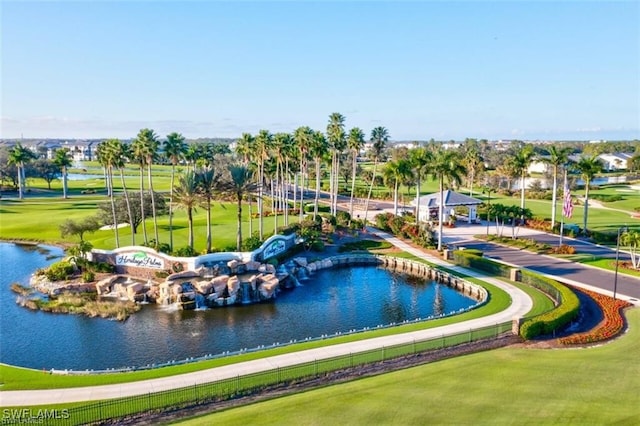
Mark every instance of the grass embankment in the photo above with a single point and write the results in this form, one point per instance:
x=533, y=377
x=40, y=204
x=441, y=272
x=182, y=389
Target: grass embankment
x=598, y=385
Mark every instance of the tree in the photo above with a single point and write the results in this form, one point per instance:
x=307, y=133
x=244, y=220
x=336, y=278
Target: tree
x=588, y=168
x=121, y=154
x=379, y=138
x=187, y=197
x=175, y=150
x=318, y=149
x=355, y=143
x=420, y=159
x=631, y=239
x=106, y=158
x=105, y=216
x=557, y=157
x=337, y=141
x=472, y=160
x=303, y=138
x=520, y=163
x=149, y=143
x=63, y=160
x=396, y=172
x=263, y=144
x=447, y=165
x=19, y=156
x=71, y=227
x=44, y=169
x=207, y=182
x=239, y=184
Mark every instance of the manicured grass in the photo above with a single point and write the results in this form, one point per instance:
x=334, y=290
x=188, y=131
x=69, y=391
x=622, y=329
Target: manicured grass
x=598, y=385
x=610, y=265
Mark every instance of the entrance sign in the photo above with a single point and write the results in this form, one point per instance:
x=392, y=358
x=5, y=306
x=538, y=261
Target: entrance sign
x=139, y=260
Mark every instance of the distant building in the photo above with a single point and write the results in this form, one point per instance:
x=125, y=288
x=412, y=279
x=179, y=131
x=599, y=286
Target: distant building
x=616, y=161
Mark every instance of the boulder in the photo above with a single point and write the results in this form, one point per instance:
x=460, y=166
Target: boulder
x=203, y=286
x=252, y=266
x=233, y=285
x=232, y=264
x=267, y=268
x=326, y=263
x=301, y=261
x=219, y=283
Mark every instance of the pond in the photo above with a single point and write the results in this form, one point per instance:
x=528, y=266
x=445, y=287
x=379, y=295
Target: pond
x=333, y=300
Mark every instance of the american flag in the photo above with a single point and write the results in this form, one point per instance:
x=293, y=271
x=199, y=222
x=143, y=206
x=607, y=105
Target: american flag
x=567, y=205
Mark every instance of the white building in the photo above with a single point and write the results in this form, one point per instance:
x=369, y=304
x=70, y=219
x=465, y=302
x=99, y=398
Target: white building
x=617, y=161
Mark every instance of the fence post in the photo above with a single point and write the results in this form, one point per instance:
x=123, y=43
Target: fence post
x=195, y=392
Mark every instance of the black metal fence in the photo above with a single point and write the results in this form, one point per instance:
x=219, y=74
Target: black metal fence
x=202, y=393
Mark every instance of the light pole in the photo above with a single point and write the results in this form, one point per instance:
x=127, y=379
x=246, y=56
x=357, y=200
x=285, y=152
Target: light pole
x=615, y=276
x=488, y=191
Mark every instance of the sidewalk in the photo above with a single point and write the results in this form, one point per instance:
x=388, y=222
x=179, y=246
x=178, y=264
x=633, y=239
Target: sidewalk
x=521, y=304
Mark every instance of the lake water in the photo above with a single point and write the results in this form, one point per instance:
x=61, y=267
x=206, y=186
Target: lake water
x=334, y=300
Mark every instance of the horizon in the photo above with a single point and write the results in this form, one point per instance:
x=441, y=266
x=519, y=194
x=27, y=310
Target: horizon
x=533, y=71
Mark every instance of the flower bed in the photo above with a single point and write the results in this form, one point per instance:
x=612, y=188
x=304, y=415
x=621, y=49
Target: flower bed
x=609, y=327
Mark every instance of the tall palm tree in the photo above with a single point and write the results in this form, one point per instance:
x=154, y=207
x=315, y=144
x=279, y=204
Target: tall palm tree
x=175, y=149
x=447, y=165
x=317, y=151
x=520, y=163
x=239, y=183
x=303, y=137
x=557, y=157
x=588, y=167
x=263, y=143
x=150, y=143
x=106, y=157
x=193, y=154
x=64, y=161
x=139, y=155
x=121, y=154
x=379, y=138
x=337, y=141
x=207, y=181
x=420, y=159
x=396, y=172
x=187, y=197
x=472, y=160
x=355, y=142
x=19, y=156
x=245, y=149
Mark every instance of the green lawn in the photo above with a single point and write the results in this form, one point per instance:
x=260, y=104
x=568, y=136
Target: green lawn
x=599, y=385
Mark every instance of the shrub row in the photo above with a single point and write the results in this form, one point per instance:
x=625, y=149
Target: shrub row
x=567, y=309
x=473, y=259
x=403, y=227
x=567, y=303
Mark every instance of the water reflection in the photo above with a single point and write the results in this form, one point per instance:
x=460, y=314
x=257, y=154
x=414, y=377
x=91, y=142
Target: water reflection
x=331, y=301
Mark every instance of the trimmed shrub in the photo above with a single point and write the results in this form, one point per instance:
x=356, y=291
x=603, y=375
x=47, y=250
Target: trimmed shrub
x=468, y=259
x=567, y=309
x=343, y=218
x=88, y=277
x=186, y=251
x=59, y=271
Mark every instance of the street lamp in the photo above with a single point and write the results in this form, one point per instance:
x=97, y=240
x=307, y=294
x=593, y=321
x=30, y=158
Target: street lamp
x=488, y=191
x=615, y=277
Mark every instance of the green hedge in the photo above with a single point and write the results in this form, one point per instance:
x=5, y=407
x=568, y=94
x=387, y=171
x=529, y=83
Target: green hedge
x=567, y=302
x=565, y=312
x=471, y=259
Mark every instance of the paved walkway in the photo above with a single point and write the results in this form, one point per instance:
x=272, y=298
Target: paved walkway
x=521, y=304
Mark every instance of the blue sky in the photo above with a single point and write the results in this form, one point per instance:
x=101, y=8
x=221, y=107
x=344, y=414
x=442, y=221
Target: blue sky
x=443, y=70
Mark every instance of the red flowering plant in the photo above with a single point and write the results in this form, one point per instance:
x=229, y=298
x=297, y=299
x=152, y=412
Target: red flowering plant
x=611, y=325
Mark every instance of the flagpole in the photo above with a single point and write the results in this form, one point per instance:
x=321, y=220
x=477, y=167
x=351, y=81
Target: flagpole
x=564, y=196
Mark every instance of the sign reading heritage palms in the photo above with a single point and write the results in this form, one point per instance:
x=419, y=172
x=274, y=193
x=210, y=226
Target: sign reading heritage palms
x=274, y=249
x=139, y=260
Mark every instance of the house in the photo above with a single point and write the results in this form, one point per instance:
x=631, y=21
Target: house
x=616, y=161
x=429, y=205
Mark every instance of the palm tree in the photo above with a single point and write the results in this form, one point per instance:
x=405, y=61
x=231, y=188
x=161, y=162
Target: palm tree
x=207, y=181
x=263, y=143
x=557, y=157
x=193, y=154
x=588, y=168
x=187, y=197
x=175, y=149
x=447, y=165
x=138, y=152
x=520, y=163
x=106, y=156
x=244, y=147
x=318, y=150
x=397, y=172
x=303, y=137
x=121, y=154
x=64, y=161
x=19, y=156
x=379, y=138
x=239, y=184
x=355, y=142
x=148, y=143
x=337, y=142
x=420, y=159
x=472, y=160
